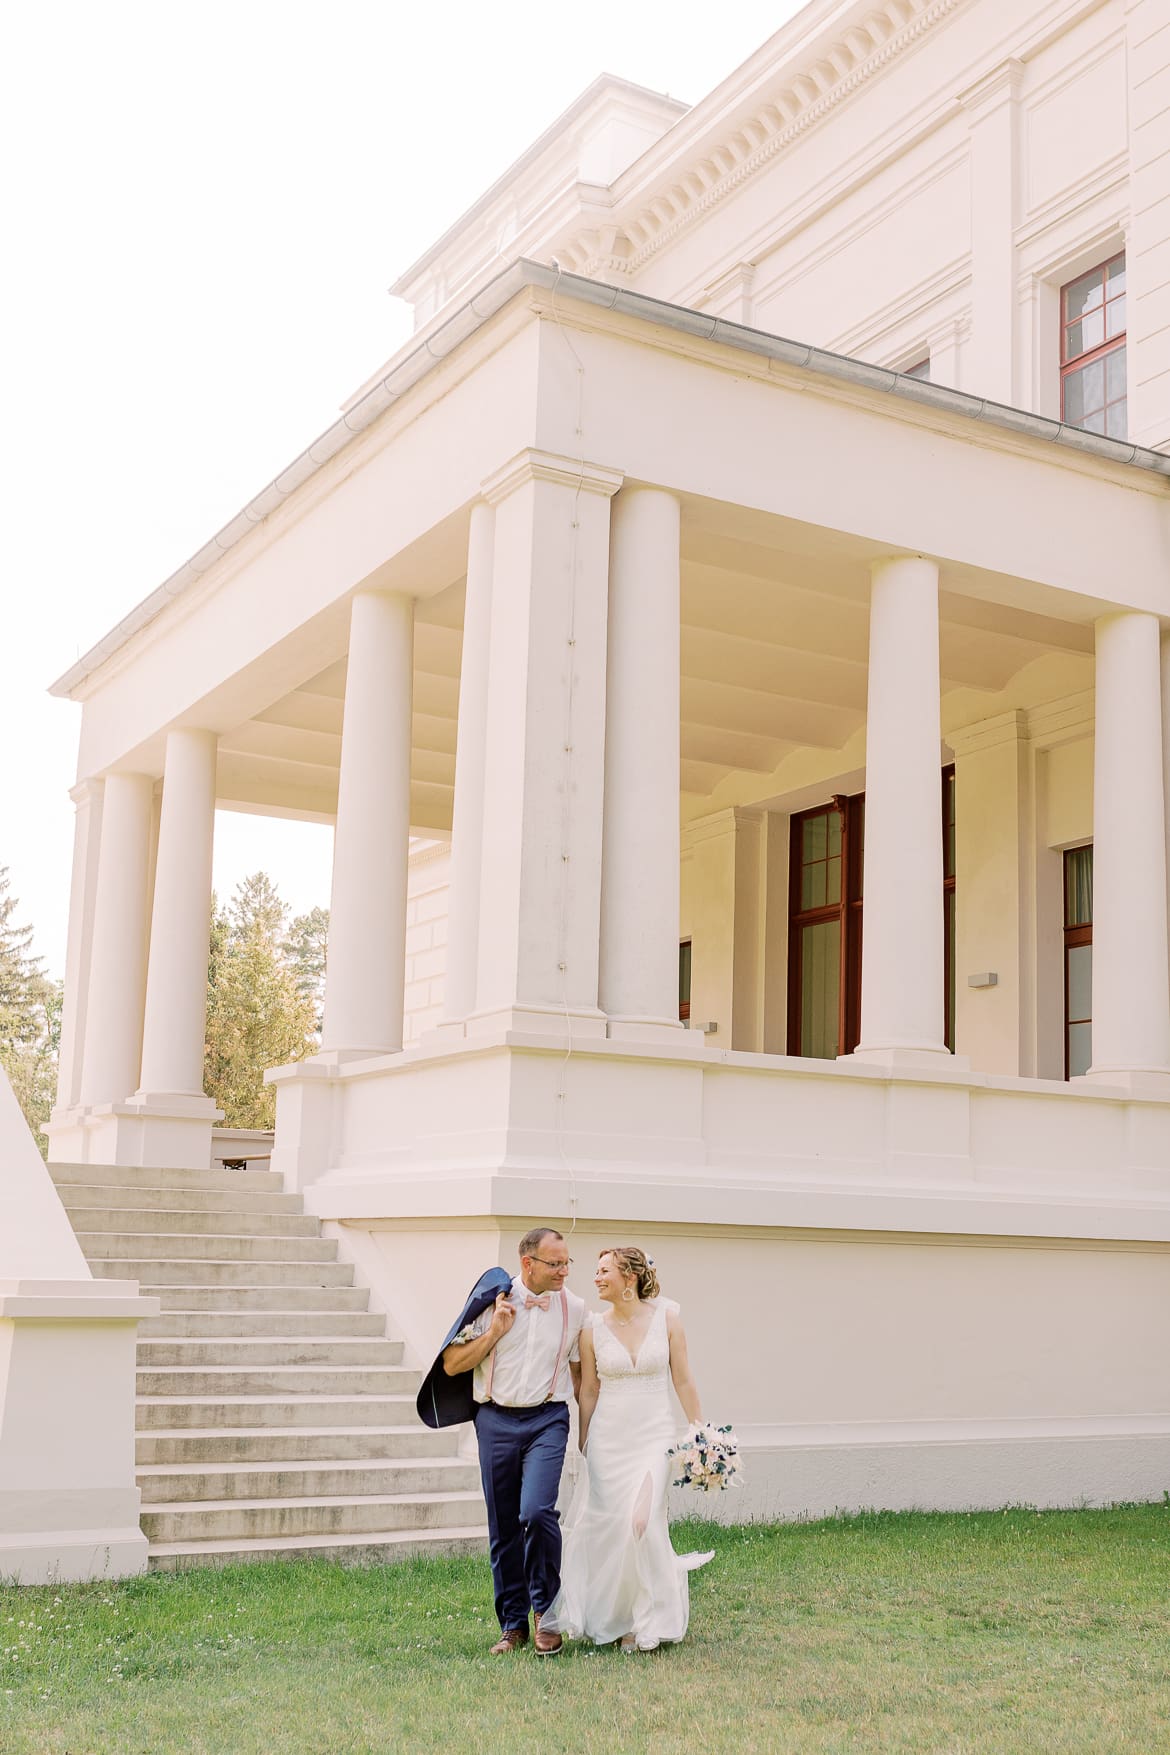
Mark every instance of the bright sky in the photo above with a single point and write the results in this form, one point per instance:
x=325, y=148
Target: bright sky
x=202, y=210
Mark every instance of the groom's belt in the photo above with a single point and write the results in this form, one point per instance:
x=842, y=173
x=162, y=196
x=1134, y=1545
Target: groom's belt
x=524, y=1407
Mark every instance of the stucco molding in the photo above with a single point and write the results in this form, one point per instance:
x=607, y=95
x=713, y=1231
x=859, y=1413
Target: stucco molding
x=531, y=465
x=1063, y=721
x=812, y=89
x=986, y=734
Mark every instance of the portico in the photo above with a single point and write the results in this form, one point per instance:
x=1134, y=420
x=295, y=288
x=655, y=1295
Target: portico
x=586, y=569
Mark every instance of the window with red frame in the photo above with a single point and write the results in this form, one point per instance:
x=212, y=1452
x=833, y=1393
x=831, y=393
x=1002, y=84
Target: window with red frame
x=684, y=980
x=1092, y=350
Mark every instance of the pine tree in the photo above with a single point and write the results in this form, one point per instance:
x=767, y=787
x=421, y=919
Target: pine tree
x=256, y=1017
x=30, y=1018
x=305, y=948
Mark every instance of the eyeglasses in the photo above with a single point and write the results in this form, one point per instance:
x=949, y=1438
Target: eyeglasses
x=560, y=1267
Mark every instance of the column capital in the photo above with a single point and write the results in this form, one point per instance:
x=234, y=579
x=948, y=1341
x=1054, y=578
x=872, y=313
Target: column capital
x=85, y=791
x=533, y=465
x=1003, y=82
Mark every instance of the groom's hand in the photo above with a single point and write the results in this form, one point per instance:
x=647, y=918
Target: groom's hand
x=505, y=1315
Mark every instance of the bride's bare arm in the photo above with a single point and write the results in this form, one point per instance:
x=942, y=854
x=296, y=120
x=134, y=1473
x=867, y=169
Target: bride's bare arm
x=588, y=1388
x=680, y=1369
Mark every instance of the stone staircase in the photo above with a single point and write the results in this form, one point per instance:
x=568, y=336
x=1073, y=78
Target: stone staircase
x=274, y=1416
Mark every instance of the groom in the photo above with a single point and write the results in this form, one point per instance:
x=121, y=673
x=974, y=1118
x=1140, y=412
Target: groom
x=509, y=1363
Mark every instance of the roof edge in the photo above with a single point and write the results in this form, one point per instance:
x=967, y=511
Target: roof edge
x=418, y=362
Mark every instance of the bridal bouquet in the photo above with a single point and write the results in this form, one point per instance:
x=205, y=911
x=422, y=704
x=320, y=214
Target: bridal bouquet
x=706, y=1457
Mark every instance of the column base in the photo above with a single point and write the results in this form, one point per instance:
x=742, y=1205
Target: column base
x=1135, y=1081
x=581, y=1023
x=909, y=1056
x=161, y=1131
x=668, y=1032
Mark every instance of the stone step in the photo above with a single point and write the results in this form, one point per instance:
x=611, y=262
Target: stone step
x=240, y=1351
x=278, y=1380
x=232, y=1300
x=377, y=1477
x=373, y=1548
x=77, y=1196
x=166, y=1413
x=227, y=1275
x=205, y=1325
x=131, y=1221
x=291, y=1444
x=124, y=1176
x=179, y=1246
x=217, y=1520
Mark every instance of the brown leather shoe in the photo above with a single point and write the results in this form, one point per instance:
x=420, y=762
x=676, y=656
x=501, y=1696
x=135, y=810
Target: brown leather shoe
x=547, y=1644
x=510, y=1640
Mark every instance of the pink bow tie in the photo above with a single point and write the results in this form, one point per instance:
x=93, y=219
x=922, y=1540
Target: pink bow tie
x=536, y=1303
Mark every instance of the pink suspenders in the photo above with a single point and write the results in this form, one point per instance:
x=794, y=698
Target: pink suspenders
x=491, y=1365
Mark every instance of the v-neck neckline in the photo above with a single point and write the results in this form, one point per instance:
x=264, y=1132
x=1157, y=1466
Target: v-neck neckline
x=633, y=1357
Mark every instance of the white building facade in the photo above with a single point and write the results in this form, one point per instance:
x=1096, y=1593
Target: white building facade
x=812, y=693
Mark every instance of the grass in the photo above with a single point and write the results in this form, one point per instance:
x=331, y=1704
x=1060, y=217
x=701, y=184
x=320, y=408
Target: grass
x=948, y=1634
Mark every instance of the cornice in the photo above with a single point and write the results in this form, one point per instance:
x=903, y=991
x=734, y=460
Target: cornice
x=988, y=734
x=531, y=465
x=1062, y=721
x=813, y=87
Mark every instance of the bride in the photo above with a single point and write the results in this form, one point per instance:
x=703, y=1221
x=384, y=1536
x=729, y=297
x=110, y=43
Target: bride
x=620, y=1576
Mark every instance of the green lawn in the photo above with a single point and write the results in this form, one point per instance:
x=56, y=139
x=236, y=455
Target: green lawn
x=1011, y=1631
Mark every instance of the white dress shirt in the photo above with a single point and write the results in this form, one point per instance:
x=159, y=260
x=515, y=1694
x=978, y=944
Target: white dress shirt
x=518, y=1372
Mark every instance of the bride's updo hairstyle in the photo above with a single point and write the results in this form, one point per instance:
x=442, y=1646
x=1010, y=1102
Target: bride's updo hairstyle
x=632, y=1260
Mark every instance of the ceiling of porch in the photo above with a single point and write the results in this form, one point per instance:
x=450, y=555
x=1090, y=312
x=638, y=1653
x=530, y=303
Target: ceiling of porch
x=774, y=642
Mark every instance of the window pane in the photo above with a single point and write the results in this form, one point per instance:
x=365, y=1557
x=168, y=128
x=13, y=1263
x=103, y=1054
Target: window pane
x=812, y=886
x=1117, y=420
x=1115, y=374
x=1078, y=887
x=1084, y=294
x=684, y=973
x=833, y=881
x=813, y=844
x=820, y=989
x=1093, y=423
x=1088, y=333
x=1080, y=1049
x=1080, y=983
x=949, y=928
x=834, y=834
x=1115, y=275
x=1115, y=317
x=1084, y=392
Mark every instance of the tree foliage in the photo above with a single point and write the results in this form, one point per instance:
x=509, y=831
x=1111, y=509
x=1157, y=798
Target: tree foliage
x=308, y=937
x=257, y=1014
x=30, y=1017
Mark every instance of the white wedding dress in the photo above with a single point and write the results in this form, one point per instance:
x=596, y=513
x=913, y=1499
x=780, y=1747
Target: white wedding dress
x=619, y=1573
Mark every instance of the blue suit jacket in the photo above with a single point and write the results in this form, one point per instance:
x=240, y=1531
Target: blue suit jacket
x=447, y=1401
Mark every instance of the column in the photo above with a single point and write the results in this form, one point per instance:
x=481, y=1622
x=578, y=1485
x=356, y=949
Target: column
x=995, y=896
x=117, y=973
x=640, y=859
x=902, y=953
x=467, y=819
x=87, y=825
x=1131, y=998
x=366, y=961
x=544, y=747
x=176, y=983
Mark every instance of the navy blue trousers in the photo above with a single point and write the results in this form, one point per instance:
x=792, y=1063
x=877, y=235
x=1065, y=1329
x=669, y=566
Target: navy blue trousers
x=521, y=1453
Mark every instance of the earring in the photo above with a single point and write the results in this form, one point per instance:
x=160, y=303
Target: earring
x=628, y=1293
